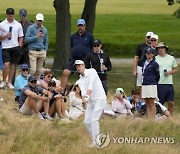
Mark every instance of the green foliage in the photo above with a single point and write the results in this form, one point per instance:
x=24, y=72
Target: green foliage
x=177, y=13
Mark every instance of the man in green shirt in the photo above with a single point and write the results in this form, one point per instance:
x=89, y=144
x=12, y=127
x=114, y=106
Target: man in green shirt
x=167, y=67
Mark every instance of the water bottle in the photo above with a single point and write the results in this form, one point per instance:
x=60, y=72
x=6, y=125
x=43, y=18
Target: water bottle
x=10, y=31
x=101, y=62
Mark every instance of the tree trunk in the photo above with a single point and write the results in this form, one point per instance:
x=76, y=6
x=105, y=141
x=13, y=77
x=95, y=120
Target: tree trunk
x=63, y=32
x=89, y=13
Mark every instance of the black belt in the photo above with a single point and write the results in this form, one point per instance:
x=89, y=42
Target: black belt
x=37, y=49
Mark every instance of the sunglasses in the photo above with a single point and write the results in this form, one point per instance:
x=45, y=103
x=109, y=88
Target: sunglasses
x=25, y=70
x=33, y=81
x=49, y=76
x=148, y=37
x=97, y=45
x=51, y=86
x=153, y=40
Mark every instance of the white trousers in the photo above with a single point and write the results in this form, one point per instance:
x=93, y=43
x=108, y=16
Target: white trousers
x=92, y=115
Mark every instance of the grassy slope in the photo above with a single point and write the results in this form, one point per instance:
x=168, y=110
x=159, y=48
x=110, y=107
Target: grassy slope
x=123, y=27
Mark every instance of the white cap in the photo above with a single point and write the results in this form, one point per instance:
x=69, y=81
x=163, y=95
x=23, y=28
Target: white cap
x=40, y=16
x=155, y=36
x=149, y=33
x=78, y=62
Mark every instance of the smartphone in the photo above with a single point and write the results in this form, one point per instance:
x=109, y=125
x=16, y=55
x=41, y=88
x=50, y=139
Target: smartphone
x=41, y=31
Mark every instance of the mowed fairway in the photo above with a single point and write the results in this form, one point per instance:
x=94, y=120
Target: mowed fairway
x=121, y=25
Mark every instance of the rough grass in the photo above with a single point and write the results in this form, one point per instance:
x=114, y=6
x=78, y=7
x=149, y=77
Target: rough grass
x=27, y=134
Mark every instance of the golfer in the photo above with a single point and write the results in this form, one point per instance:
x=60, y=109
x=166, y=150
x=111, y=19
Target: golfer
x=93, y=92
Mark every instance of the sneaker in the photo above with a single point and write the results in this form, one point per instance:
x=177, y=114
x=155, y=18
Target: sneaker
x=2, y=85
x=10, y=86
x=46, y=116
x=40, y=116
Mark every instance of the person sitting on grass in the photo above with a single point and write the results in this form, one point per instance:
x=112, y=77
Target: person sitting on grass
x=21, y=80
x=135, y=101
x=161, y=111
x=120, y=104
x=56, y=104
x=33, y=98
x=77, y=103
x=48, y=76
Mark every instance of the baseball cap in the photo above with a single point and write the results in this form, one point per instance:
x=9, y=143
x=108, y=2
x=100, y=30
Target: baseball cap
x=78, y=62
x=96, y=42
x=155, y=36
x=52, y=83
x=81, y=22
x=24, y=66
x=32, y=78
x=40, y=16
x=119, y=90
x=149, y=50
x=23, y=13
x=10, y=11
x=149, y=33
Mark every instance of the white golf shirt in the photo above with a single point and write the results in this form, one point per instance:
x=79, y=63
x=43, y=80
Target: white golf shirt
x=17, y=32
x=91, y=81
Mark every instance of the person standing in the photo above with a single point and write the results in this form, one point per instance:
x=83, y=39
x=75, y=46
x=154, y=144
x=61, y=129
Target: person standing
x=167, y=67
x=95, y=97
x=11, y=35
x=100, y=61
x=139, y=58
x=150, y=78
x=37, y=39
x=81, y=45
x=25, y=24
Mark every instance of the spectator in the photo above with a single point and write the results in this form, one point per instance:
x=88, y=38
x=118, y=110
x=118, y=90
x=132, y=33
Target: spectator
x=56, y=104
x=120, y=104
x=135, y=100
x=25, y=24
x=81, y=45
x=161, y=111
x=33, y=98
x=139, y=58
x=167, y=67
x=154, y=43
x=77, y=103
x=149, y=81
x=11, y=35
x=21, y=80
x=37, y=39
x=49, y=76
x=100, y=61
x=93, y=92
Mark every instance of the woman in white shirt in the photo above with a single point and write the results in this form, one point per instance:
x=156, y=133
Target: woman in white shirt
x=76, y=103
x=120, y=105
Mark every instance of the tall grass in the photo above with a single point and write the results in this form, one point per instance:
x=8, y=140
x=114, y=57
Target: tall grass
x=27, y=134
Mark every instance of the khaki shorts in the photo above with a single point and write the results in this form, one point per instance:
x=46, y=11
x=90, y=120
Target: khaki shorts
x=27, y=110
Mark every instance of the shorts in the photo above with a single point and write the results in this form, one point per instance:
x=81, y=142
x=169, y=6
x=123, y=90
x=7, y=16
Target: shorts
x=26, y=110
x=165, y=93
x=11, y=55
x=149, y=91
x=139, y=76
x=70, y=64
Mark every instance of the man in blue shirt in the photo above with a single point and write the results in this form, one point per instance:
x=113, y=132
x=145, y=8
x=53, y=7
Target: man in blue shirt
x=81, y=45
x=21, y=80
x=37, y=39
